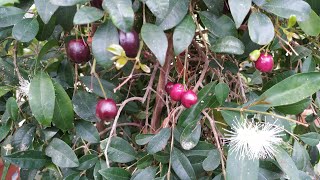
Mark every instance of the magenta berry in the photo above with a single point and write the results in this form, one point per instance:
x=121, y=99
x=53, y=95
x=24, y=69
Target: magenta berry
x=177, y=91
x=169, y=86
x=264, y=63
x=78, y=51
x=130, y=43
x=106, y=109
x=189, y=98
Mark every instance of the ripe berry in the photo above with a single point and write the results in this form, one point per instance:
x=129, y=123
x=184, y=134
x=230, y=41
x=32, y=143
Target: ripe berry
x=130, y=43
x=106, y=109
x=78, y=51
x=176, y=92
x=189, y=98
x=169, y=86
x=264, y=63
x=96, y=3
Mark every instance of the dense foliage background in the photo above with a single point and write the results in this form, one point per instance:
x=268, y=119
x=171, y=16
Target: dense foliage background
x=49, y=126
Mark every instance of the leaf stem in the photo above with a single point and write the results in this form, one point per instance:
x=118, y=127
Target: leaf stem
x=93, y=71
x=260, y=112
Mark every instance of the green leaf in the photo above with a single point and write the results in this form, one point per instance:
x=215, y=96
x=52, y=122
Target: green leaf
x=311, y=138
x=23, y=137
x=230, y=117
x=181, y=165
x=86, y=15
x=158, y=7
x=28, y=159
x=222, y=91
x=206, y=98
x=87, y=131
x=241, y=167
x=45, y=9
x=311, y=25
x=294, y=108
x=183, y=35
x=177, y=11
x=46, y=48
x=309, y=65
x=25, y=30
x=73, y=176
x=61, y=154
x=215, y=6
x=202, y=149
x=65, y=73
x=97, y=168
x=115, y=173
x=239, y=10
x=63, y=110
x=286, y=163
x=266, y=174
x=48, y=133
x=87, y=161
x=4, y=130
x=45, y=30
x=219, y=26
x=229, y=45
x=190, y=135
x=300, y=156
x=302, y=52
x=67, y=2
x=65, y=16
x=93, y=84
x=10, y=16
x=162, y=157
x=146, y=174
x=142, y=139
x=12, y=108
x=261, y=29
x=105, y=35
x=292, y=89
x=212, y=161
x=287, y=8
x=145, y=161
x=277, y=78
x=121, y=13
x=156, y=41
x=4, y=90
x=42, y=98
x=119, y=150
x=159, y=141
x=84, y=105
x=4, y=2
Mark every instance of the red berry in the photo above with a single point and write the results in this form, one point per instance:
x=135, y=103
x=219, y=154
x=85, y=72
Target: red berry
x=169, y=86
x=96, y=3
x=106, y=109
x=189, y=98
x=176, y=92
x=78, y=51
x=130, y=43
x=264, y=63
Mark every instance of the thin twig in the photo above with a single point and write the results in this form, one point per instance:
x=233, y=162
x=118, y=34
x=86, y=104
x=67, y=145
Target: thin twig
x=205, y=66
x=114, y=126
x=241, y=88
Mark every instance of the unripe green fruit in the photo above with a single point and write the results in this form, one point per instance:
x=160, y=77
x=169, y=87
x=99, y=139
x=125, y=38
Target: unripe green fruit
x=254, y=55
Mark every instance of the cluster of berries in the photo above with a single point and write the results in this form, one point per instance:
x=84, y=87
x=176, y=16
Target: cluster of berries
x=177, y=92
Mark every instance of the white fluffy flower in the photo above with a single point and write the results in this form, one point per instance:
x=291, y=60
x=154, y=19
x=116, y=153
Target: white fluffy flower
x=254, y=140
